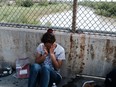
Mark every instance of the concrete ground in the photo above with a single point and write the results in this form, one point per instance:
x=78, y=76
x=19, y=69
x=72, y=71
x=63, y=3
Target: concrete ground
x=11, y=81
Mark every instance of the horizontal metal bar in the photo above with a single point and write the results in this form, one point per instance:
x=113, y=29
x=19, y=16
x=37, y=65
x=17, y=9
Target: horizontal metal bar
x=66, y=29
x=29, y=26
x=95, y=77
x=94, y=31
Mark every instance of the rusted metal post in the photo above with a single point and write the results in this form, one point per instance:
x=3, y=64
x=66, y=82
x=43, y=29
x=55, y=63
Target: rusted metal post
x=74, y=16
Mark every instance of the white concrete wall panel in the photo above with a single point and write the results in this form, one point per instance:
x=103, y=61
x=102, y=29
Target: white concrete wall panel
x=85, y=54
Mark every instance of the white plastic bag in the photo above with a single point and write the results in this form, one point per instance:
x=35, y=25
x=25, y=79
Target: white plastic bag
x=22, y=67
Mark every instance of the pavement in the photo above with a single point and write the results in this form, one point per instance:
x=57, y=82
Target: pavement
x=11, y=81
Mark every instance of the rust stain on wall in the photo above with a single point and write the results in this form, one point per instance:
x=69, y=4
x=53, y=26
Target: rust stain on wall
x=81, y=67
x=92, y=51
x=76, y=54
x=82, y=46
x=71, y=45
x=114, y=60
x=71, y=41
x=108, y=50
x=82, y=51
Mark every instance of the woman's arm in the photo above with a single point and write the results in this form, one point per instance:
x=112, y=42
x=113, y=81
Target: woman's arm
x=57, y=63
x=40, y=58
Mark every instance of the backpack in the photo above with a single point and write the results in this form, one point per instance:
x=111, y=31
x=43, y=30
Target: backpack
x=110, y=80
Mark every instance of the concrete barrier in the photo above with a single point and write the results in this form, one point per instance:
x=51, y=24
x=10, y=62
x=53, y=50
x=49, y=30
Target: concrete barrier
x=85, y=54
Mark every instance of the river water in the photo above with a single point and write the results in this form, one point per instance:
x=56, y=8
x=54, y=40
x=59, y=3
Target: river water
x=86, y=19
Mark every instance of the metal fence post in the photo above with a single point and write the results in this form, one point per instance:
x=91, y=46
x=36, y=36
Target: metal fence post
x=74, y=16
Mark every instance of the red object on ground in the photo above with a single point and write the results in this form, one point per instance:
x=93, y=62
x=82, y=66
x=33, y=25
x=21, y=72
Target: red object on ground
x=22, y=68
x=23, y=72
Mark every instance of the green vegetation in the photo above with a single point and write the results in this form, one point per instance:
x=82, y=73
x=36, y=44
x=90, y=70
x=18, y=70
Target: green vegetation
x=107, y=9
x=25, y=3
x=23, y=12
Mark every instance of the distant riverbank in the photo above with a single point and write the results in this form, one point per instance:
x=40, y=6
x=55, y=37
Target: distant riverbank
x=86, y=20
x=107, y=9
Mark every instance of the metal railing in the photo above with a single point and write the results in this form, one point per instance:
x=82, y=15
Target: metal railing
x=83, y=16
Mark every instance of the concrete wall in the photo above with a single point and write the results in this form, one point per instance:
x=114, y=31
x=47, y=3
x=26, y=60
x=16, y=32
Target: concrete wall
x=85, y=54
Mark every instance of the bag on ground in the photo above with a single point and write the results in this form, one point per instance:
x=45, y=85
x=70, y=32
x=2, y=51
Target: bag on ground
x=22, y=67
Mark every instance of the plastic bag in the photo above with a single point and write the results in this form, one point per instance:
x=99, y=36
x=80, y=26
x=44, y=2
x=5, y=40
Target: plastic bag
x=22, y=67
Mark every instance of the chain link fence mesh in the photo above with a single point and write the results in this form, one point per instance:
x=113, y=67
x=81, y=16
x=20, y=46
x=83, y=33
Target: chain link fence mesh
x=97, y=16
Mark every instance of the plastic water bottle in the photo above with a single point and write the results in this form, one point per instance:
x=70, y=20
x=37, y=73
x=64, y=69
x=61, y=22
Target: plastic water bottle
x=54, y=85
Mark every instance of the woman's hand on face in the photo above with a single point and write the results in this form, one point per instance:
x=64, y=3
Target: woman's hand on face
x=45, y=50
x=52, y=49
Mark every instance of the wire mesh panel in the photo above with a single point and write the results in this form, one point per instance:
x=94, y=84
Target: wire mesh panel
x=98, y=16
x=50, y=13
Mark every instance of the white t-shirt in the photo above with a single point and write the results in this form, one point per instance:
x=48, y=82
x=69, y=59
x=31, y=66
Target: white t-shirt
x=58, y=51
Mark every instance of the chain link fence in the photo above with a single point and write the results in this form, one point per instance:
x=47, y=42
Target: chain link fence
x=82, y=16
x=97, y=16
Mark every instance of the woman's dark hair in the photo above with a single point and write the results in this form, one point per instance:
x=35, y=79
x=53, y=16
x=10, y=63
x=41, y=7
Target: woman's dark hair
x=48, y=37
